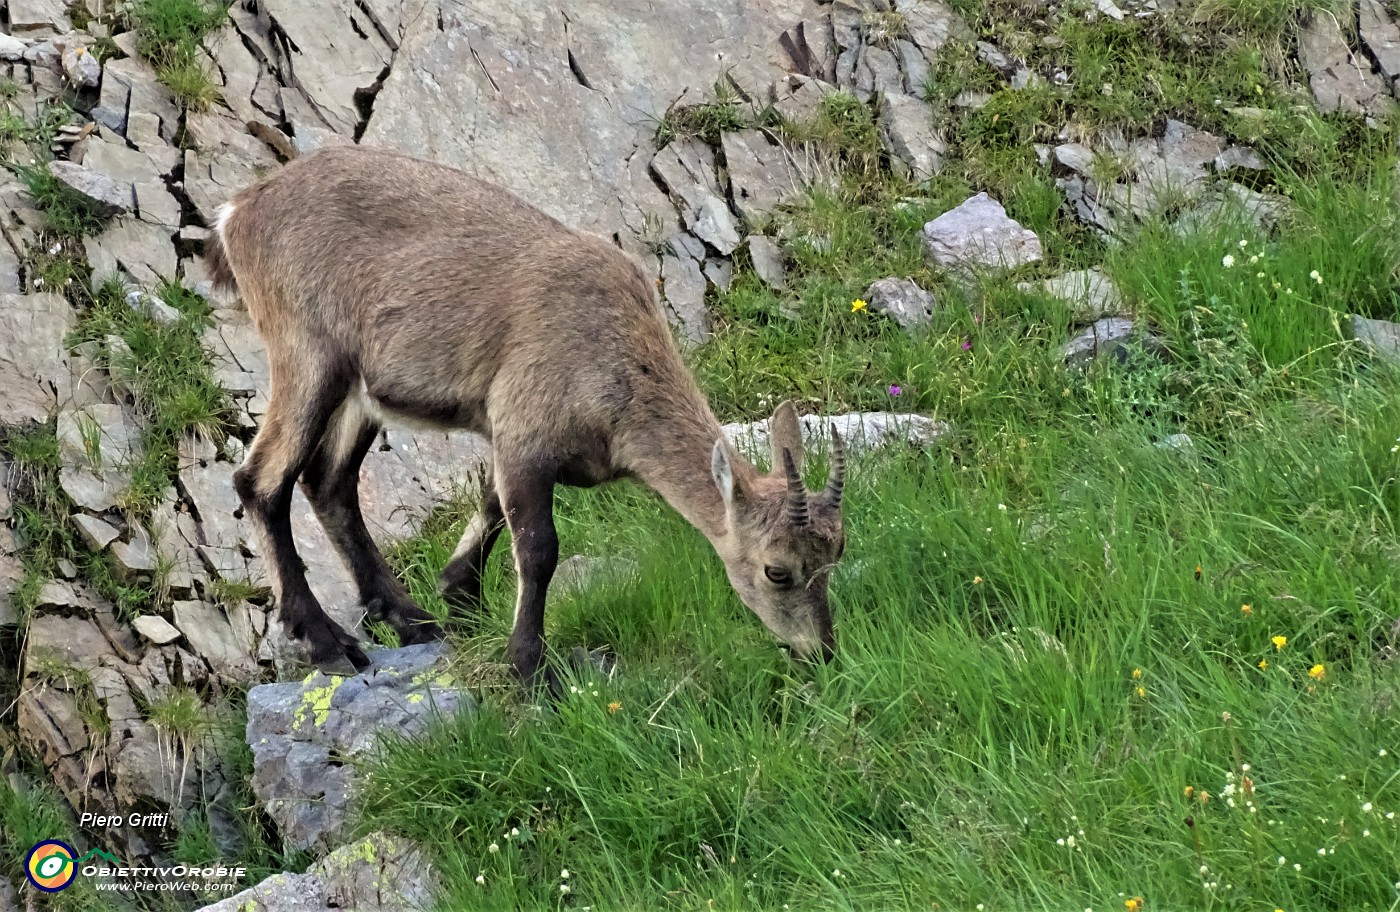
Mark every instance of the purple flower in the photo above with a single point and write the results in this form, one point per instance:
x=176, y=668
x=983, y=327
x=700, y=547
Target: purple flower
x=967, y=344
x=895, y=389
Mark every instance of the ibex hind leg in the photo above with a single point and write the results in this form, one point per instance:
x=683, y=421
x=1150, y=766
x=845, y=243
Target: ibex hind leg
x=460, y=582
x=302, y=399
x=331, y=481
x=527, y=494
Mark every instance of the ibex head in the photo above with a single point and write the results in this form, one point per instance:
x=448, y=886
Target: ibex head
x=783, y=541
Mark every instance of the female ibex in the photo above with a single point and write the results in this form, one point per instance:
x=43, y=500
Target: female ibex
x=386, y=287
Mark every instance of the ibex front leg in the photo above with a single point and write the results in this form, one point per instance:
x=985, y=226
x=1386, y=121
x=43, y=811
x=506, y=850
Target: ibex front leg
x=527, y=494
x=302, y=399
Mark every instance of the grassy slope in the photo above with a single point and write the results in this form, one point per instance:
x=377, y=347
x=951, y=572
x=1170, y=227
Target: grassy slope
x=1033, y=670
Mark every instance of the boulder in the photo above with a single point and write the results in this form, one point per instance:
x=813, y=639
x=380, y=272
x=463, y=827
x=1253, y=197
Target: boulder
x=979, y=234
x=902, y=299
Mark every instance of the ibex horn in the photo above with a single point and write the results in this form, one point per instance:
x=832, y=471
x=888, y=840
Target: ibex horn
x=797, y=491
x=836, y=480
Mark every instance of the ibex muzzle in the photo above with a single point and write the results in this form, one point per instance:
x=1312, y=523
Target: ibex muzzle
x=390, y=288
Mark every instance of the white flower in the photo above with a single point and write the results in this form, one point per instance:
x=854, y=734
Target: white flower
x=1322, y=851
x=1366, y=807
x=1365, y=832
x=837, y=873
x=1244, y=767
x=564, y=874
x=563, y=888
x=481, y=879
x=1243, y=243
x=493, y=848
x=1227, y=261
x=1297, y=867
x=1381, y=752
x=1060, y=841
x=1315, y=276
x=1282, y=861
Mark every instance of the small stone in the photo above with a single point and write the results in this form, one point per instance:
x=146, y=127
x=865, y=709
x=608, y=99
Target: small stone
x=66, y=568
x=137, y=556
x=1076, y=157
x=910, y=305
x=1178, y=442
x=767, y=260
x=720, y=273
x=94, y=531
x=1240, y=157
x=979, y=233
x=1110, y=336
x=12, y=48
x=713, y=223
x=156, y=629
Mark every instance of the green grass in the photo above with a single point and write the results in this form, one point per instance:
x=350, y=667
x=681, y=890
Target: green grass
x=166, y=367
x=1050, y=692
x=170, y=34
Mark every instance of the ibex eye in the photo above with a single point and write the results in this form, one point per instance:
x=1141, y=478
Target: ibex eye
x=778, y=576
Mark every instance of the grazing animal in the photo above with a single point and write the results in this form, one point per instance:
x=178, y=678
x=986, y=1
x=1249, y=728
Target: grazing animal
x=387, y=288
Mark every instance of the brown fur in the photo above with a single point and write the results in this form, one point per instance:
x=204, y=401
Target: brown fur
x=454, y=303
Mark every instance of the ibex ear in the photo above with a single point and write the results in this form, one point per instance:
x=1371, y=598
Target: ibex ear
x=722, y=470
x=785, y=433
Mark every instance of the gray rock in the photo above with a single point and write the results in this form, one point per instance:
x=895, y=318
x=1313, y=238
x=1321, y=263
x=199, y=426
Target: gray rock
x=683, y=286
x=687, y=168
x=104, y=194
x=379, y=873
x=767, y=260
x=224, y=640
x=906, y=128
x=144, y=93
x=1381, y=337
x=563, y=111
x=714, y=224
x=1077, y=157
x=719, y=272
x=12, y=574
x=911, y=306
x=1382, y=37
x=141, y=249
x=113, y=102
x=12, y=48
x=156, y=629
x=94, y=531
x=294, y=728
x=32, y=329
x=36, y=15
x=1110, y=336
x=1177, y=442
x=761, y=176
x=1339, y=80
x=1241, y=157
x=97, y=443
x=80, y=66
x=877, y=72
x=860, y=431
x=979, y=233
x=225, y=160
x=798, y=99
x=136, y=557
x=931, y=24
x=915, y=67
x=1090, y=293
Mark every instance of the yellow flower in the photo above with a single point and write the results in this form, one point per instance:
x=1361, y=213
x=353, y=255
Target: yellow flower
x=1189, y=791
x=858, y=305
x=1263, y=664
x=1142, y=692
x=1246, y=609
x=1317, y=672
x=614, y=706
x=977, y=581
x=1280, y=642
x=1137, y=673
x=1134, y=904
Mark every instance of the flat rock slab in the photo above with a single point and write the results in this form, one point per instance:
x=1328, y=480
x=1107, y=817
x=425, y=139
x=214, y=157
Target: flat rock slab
x=1090, y=293
x=1340, y=81
x=858, y=430
x=301, y=732
x=32, y=328
x=379, y=873
x=979, y=234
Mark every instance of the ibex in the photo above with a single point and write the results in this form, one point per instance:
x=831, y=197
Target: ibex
x=387, y=288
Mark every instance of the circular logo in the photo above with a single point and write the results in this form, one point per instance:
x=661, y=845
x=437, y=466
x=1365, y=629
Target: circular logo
x=50, y=866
